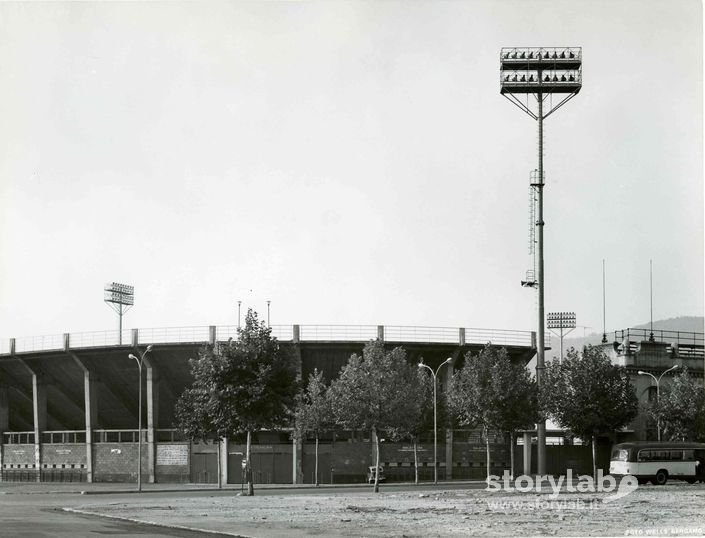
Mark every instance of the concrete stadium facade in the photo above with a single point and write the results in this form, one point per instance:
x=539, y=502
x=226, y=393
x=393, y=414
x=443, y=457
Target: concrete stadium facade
x=69, y=406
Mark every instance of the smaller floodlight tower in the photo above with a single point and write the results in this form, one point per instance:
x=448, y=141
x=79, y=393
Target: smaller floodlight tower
x=530, y=77
x=120, y=297
x=561, y=321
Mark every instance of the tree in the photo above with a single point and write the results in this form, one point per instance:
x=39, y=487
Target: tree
x=492, y=393
x=681, y=408
x=239, y=387
x=314, y=413
x=371, y=393
x=588, y=395
x=417, y=416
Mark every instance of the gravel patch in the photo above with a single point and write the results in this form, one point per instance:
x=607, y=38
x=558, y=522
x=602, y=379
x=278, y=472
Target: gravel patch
x=676, y=509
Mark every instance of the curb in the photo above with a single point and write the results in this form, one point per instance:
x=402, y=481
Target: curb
x=153, y=524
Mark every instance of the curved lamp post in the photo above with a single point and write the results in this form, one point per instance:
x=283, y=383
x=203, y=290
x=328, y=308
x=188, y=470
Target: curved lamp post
x=658, y=395
x=140, y=360
x=435, y=428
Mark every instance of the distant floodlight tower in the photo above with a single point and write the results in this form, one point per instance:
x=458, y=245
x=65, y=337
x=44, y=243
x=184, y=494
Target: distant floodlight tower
x=561, y=321
x=542, y=73
x=120, y=297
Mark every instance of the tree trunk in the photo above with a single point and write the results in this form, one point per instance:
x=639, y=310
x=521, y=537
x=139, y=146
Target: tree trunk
x=594, y=458
x=248, y=465
x=416, y=462
x=316, y=466
x=511, y=454
x=374, y=432
x=487, y=444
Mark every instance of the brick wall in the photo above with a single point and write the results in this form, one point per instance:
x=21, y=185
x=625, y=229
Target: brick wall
x=173, y=462
x=117, y=462
x=18, y=456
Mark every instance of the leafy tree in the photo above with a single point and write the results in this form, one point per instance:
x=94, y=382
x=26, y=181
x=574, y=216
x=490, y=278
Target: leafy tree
x=372, y=393
x=492, y=393
x=314, y=413
x=681, y=408
x=588, y=395
x=418, y=415
x=239, y=387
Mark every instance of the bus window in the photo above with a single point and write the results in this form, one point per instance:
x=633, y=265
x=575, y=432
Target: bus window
x=676, y=455
x=644, y=455
x=689, y=455
x=620, y=454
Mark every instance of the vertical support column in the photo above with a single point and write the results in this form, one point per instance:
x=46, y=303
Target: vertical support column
x=541, y=426
x=4, y=410
x=91, y=410
x=224, y=464
x=39, y=405
x=380, y=333
x=4, y=423
x=527, y=453
x=461, y=336
x=298, y=444
x=152, y=420
x=90, y=398
x=211, y=335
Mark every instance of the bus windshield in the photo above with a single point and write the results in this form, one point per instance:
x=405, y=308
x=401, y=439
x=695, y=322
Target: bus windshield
x=620, y=454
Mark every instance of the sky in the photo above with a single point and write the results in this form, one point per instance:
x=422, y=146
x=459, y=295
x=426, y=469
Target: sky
x=351, y=162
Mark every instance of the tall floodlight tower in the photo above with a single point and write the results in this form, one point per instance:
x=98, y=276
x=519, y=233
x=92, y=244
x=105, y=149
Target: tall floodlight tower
x=120, y=297
x=530, y=78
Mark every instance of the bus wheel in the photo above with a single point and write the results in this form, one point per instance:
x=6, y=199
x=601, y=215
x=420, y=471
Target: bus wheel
x=661, y=477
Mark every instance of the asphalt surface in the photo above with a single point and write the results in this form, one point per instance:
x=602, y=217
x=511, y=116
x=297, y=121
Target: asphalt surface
x=39, y=510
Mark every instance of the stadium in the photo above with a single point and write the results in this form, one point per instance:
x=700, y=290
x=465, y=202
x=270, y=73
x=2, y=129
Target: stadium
x=69, y=407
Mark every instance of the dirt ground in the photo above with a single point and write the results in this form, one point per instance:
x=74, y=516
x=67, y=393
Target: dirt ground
x=673, y=510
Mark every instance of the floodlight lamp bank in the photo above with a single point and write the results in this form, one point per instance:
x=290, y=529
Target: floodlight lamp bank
x=119, y=288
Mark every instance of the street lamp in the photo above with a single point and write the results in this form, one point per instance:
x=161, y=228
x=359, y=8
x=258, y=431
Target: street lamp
x=435, y=428
x=658, y=395
x=140, y=360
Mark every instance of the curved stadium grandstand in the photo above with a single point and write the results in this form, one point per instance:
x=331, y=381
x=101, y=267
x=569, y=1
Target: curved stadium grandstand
x=69, y=407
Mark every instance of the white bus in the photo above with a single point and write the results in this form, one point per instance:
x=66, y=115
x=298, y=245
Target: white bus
x=657, y=461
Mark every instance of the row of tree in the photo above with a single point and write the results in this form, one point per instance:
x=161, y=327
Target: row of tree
x=252, y=383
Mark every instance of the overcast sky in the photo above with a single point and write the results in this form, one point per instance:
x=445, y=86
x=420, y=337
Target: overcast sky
x=353, y=162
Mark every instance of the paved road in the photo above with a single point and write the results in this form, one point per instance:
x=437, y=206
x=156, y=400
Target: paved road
x=35, y=510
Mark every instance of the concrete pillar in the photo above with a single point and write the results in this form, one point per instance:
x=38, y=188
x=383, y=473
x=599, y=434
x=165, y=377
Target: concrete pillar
x=298, y=456
x=224, y=450
x=152, y=420
x=90, y=398
x=527, y=453
x=298, y=452
x=380, y=333
x=4, y=421
x=211, y=335
x=39, y=405
x=135, y=337
x=91, y=410
x=4, y=410
x=461, y=336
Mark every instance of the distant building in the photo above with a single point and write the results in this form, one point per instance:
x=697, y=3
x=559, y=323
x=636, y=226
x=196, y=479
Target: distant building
x=654, y=353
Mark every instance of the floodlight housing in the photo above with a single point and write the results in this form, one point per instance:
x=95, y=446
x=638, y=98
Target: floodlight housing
x=540, y=70
x=114, y=292
x=560, y=320
x=120, y=297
